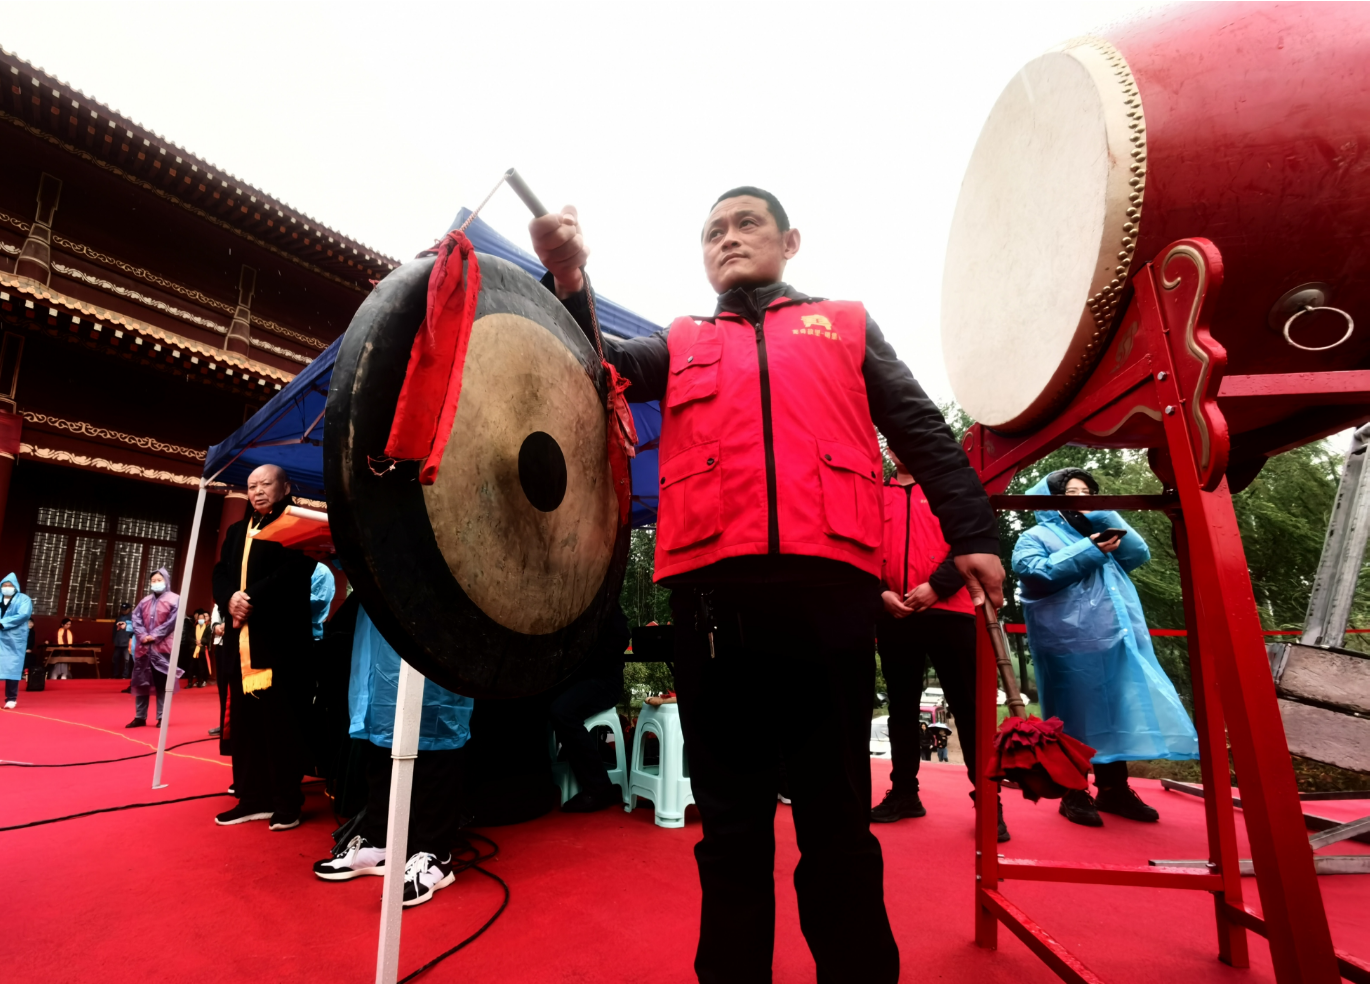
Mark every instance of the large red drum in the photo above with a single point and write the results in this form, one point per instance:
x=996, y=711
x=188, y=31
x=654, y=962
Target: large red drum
x=1243, y=123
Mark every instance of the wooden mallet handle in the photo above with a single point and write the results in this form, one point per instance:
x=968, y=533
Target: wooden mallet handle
x=1013, y=700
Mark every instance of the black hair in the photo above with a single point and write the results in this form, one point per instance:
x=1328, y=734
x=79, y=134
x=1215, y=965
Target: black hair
x=1057, y=481
x=200, y=611
x=65, y=621
x=773, y=204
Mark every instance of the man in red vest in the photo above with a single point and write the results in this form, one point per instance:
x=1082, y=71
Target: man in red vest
x=928, y=618
x=769, y=534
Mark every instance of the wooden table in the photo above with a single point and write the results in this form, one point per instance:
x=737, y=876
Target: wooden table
x=66, y=654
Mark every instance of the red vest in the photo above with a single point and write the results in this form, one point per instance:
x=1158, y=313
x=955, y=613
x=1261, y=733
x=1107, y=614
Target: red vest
x=913, y=546
x=767, y=442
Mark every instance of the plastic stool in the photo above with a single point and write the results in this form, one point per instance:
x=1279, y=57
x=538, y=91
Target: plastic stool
x=667, y=784
x=619, y=775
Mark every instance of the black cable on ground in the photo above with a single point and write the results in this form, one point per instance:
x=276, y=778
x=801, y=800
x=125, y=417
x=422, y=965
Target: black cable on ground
x=126, y=758
x=109, y=809
x=473, y=863
x=130, y=806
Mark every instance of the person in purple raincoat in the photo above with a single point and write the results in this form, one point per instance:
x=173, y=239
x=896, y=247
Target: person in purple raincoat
x=154, y=619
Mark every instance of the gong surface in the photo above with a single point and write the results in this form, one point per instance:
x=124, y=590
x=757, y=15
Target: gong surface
x=493, y=581
x=522, y=508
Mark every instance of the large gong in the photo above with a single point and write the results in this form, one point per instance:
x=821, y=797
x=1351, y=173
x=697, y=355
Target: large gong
x=493, y=581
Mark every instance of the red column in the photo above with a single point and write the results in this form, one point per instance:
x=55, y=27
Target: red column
x=235, y=508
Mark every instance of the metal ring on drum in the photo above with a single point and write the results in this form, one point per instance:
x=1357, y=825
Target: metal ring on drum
x=1311, y=309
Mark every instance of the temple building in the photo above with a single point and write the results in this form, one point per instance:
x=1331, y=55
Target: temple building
x=149, y=304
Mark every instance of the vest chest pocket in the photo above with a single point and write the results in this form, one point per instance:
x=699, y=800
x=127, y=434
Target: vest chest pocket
x=848, y=479
x=689, y=497
x=695, y=373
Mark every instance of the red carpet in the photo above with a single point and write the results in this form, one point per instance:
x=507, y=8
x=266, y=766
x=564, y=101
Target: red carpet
x=162, y=894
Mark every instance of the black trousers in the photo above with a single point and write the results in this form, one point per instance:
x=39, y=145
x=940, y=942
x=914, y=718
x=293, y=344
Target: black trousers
x=434, y=799
x=948, y=640
x=265, y=739
x=197, y=669
x=569, y=711
x=804, y=652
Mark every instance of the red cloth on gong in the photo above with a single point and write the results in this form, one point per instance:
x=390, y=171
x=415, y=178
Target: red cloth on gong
x=433, y=379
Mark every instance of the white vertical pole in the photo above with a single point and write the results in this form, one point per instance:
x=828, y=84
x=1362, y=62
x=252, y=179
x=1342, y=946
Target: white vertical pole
x=409, y=706
x=157, y=782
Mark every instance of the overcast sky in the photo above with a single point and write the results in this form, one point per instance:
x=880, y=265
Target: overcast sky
x=381, y=120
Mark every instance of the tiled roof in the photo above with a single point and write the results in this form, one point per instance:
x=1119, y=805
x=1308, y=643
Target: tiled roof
x=48, y=108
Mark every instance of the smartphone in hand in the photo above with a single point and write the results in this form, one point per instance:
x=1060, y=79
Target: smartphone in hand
x=1110, y=534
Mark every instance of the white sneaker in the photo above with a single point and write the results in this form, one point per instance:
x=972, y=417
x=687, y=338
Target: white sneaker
x=9, y=705
x=424, y=875
x=360, y=858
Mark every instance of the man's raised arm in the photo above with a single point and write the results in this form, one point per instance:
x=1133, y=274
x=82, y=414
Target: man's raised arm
x=560, y=246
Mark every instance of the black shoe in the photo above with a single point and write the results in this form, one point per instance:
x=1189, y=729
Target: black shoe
x=158, y=724
x=1124, y=802
x=425, y=874
x=284, y=820
x=216, y=732
x=1002, y=831
x=241, y=814
x=1077, y=806
x=898, y=806
x=127, y=690
x=588, y=801
x=233, y=790
x=137, y=723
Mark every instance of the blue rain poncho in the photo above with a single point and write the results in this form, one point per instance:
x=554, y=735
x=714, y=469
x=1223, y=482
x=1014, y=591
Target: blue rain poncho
x=445, y=722
x=321, y=597
x=14, y=632
x=1092, y=652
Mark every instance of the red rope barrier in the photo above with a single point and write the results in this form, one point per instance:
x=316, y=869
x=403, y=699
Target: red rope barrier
x=1019, y=627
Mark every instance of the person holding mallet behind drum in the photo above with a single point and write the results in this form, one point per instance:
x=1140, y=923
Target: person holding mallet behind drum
x=769, y=534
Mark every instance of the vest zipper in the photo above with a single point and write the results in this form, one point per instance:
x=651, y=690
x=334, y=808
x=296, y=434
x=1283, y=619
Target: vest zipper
x=769, y=452
x=905, y=575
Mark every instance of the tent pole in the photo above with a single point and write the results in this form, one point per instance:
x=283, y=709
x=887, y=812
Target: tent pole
x=409, y=708
x=157, y=782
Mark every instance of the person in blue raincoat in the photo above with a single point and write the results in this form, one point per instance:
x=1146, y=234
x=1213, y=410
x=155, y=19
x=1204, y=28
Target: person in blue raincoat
x=1092, y=653
x=15, y=609
x=443, y=733
x=321, y=597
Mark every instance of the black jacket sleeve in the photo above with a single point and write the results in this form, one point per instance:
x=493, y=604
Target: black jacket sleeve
x=642, y=361
x=918, y=434
x=946, y=580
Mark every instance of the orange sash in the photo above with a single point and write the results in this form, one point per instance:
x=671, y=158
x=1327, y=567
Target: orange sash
x=252, y=679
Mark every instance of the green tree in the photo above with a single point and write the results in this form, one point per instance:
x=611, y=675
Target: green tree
x=644, y=601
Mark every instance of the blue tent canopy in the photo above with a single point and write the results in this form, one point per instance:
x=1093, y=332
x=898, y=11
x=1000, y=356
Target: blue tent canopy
x=288, y=431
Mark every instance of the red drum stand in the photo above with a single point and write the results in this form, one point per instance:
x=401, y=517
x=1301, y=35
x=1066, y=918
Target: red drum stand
x=1161, y=384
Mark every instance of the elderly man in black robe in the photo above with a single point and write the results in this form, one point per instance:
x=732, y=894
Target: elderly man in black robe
x=265, y=589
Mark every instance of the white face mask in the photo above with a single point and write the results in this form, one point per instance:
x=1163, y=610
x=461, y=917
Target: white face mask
x=158, y=587
x=7, y=591
x=200, y=621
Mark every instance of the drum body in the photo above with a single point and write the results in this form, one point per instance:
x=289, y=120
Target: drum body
x=1246, y=124
x=494, y=580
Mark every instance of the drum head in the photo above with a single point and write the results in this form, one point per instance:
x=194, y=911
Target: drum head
x=1043, y=236
x=494, y=580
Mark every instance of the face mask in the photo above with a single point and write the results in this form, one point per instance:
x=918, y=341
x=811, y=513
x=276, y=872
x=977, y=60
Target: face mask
x=7, y=591
x=159, y=587
x=200, y=621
